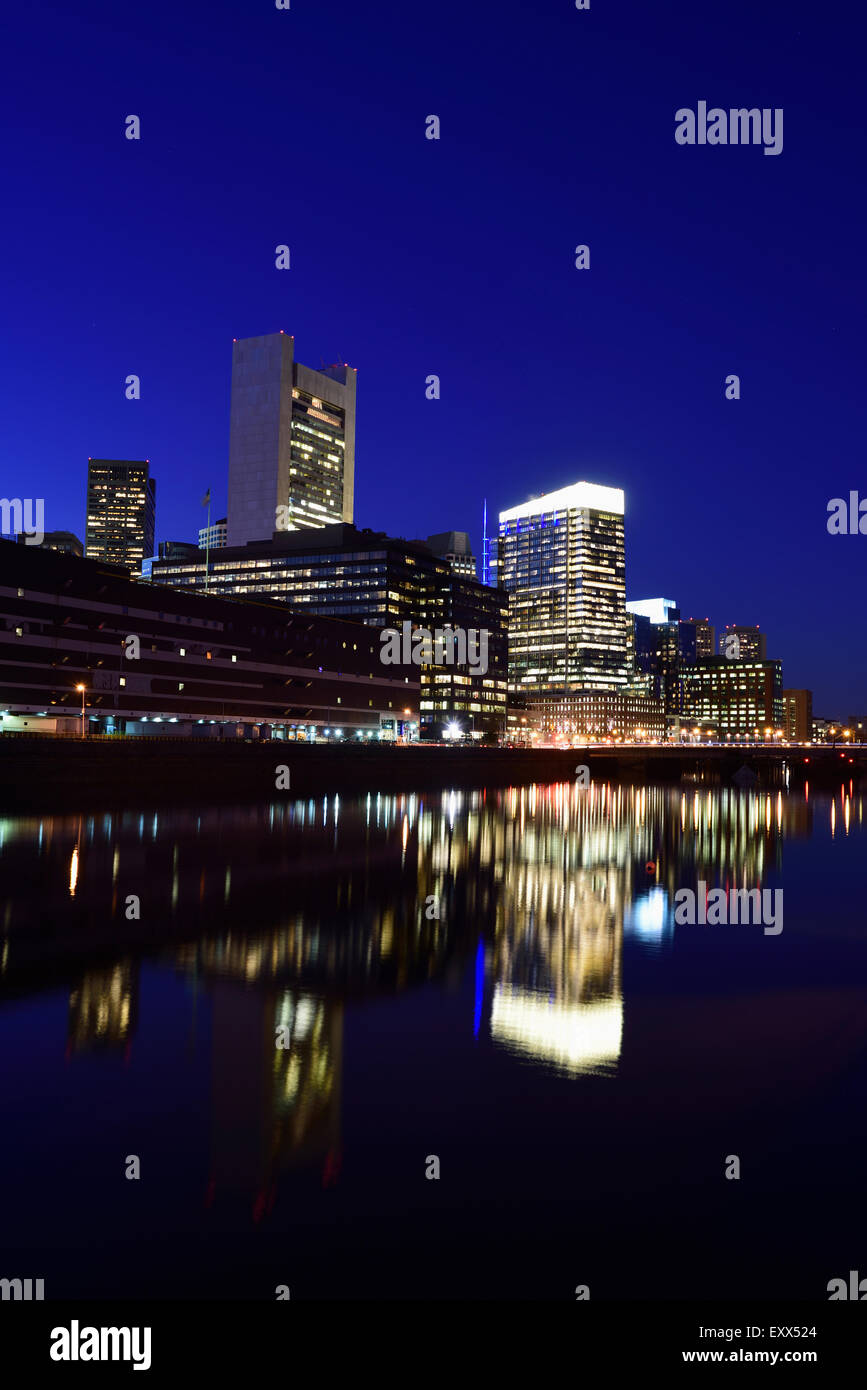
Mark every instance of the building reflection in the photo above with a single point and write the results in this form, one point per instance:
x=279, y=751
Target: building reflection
x=273, y=1107
x=285, y=915
x=103, y=1009
x=553, y=968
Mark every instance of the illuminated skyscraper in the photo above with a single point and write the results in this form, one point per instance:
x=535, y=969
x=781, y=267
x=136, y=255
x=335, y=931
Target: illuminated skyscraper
x=291, y=442
x=561, y=558
x=121, y=510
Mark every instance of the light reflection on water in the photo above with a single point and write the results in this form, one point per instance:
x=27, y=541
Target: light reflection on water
x=286, y=987
x=541, y=885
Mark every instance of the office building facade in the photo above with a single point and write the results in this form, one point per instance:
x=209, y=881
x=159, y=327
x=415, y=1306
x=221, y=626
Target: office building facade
x=121, y=512
x=662, y=647
x=743, y=643
x=65, y=541
x=343, y=572
x=598, y=716
x=561, y=559
x=705, y=635
x=215, y=536
x=737, y=698
x=456, y=549
x=291, y=441
x=798, y=716
x=223, y=663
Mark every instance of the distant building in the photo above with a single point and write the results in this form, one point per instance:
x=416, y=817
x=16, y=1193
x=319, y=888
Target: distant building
x=455, y=548
x=656, y=610
x=64, y=541
x=705, y=635
x=737, y=697
x=798, y=715
x=561, y=559
x=825, y=730
x=743, y=644
x=291, y=441
x=121, y=512
x=214, y=537
x=597, y=715
x=662, y=646
x=172, y=551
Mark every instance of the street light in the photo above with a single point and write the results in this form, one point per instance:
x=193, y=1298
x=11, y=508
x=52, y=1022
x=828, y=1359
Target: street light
x=82, y=689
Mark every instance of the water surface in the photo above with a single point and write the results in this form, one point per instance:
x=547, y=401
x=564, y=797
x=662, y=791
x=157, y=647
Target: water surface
x=581, y=1066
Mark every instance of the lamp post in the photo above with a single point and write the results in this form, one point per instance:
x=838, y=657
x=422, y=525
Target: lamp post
x=82, y=689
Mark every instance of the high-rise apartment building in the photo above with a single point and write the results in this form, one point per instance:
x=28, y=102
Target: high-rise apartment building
x=121, y=512
x=291, y=441
x=561, y=558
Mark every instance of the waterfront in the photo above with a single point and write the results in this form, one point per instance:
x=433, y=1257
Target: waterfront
x=581, y=1066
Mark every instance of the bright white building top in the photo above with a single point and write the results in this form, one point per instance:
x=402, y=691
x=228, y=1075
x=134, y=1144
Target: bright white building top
x=594, y=495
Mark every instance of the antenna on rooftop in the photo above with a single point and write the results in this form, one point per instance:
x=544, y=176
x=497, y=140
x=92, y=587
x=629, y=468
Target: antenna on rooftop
x=486, y=551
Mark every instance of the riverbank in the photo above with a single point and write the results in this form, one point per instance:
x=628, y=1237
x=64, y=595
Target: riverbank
x=43, y=773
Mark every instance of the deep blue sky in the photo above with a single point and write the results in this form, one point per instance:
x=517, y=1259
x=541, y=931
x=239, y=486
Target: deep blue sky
x=412, y=257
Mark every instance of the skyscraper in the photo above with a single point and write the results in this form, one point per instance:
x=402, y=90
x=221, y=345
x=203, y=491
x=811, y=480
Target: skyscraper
x=561, y=558
x=663, y=645
x=121, y=511
x=291, y=443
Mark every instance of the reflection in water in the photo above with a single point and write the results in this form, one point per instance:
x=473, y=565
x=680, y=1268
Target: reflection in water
x=102, y=1008
x=282, y=916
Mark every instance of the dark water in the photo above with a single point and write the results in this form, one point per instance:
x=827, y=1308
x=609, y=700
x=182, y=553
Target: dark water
x=581, y=1066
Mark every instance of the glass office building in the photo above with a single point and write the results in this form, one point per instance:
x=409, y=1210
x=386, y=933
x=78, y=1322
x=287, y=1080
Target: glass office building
x=561, y=558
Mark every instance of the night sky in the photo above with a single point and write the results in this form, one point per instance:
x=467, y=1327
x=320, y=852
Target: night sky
x=412, y=257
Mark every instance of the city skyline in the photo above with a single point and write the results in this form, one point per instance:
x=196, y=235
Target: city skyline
x=704, y=262
x=433, y=818
x=581, y=494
